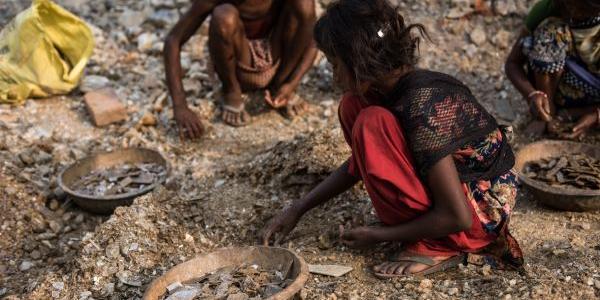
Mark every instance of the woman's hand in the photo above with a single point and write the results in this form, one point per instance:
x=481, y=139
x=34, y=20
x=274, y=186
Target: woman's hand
x=584, y=124
x=540, y=104
x=188, y=123
x=280, y=226
x=359, y=237
x=281, y=97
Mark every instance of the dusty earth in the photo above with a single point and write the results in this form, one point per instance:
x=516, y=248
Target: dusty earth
x=225, y=187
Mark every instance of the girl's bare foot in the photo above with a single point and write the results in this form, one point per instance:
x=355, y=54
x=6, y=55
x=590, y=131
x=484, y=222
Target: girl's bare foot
x=406, y=264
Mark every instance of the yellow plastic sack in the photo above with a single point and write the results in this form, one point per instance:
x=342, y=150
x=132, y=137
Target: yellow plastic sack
x=43, y=52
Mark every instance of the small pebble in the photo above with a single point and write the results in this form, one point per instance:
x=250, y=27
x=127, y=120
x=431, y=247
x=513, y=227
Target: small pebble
x=109, y=288
x=219, y=183
x=85, y=295
x=26, y=158
x=53, y=205
x=39, y=225
x=174, y=286
x=426, y=284
x=35, y=254
x=43, y=157
x=590, y=281
x=59, y=285
x=134, y=247
x=28, y=247
x=188, y=238
x=79, y=219
x=486, y=270
x=478, y=36
x=47, y=244
x=113, y=251
x=25, y=265
x=55, y=226
x=67, y=216
x=11, y=191
x=238, y=296
x=148, y=119
x=45, y=236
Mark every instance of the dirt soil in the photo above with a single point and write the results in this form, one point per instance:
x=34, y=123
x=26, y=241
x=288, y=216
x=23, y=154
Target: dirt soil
x=225, y=187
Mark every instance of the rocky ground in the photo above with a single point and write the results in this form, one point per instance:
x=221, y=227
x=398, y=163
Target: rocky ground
x=226, y=186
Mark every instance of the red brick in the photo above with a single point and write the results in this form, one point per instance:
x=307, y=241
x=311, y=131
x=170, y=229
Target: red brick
x=104, y=107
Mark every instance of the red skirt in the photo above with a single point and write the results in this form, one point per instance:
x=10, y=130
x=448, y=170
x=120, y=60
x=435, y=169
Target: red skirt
x=382, y=159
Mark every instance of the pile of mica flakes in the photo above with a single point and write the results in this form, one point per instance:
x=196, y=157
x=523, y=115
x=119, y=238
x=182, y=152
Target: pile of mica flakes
x=246, y=282
x=117, y=180
x=569, y=171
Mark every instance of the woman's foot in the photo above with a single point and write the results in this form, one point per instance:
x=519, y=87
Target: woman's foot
x=234, y=112
x=296, y=106
x=286, y=101
x=406, y=264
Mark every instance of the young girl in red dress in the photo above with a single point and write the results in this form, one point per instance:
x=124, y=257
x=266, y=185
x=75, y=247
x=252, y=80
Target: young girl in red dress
x=435, y=164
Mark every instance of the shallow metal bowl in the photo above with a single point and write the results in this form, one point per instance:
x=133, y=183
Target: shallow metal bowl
x=103, y=160
x=571, y=199
x=267, y=257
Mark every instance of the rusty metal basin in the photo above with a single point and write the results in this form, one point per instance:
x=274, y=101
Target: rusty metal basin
x=267, y=257
x=107, y=204
x=571, y=199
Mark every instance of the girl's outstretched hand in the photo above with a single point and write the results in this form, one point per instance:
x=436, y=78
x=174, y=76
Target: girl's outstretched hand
x=359, y=237
x=280, y=226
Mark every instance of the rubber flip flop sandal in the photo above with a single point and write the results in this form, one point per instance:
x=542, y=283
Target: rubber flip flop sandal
x=241, y=110
x=434, y=266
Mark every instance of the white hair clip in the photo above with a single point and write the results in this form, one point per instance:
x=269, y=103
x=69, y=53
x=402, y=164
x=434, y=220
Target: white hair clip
x=380, y=33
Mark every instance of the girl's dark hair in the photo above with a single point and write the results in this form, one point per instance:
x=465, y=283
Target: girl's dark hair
x=589, y=3
x=369, y=36
x=581, y=5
